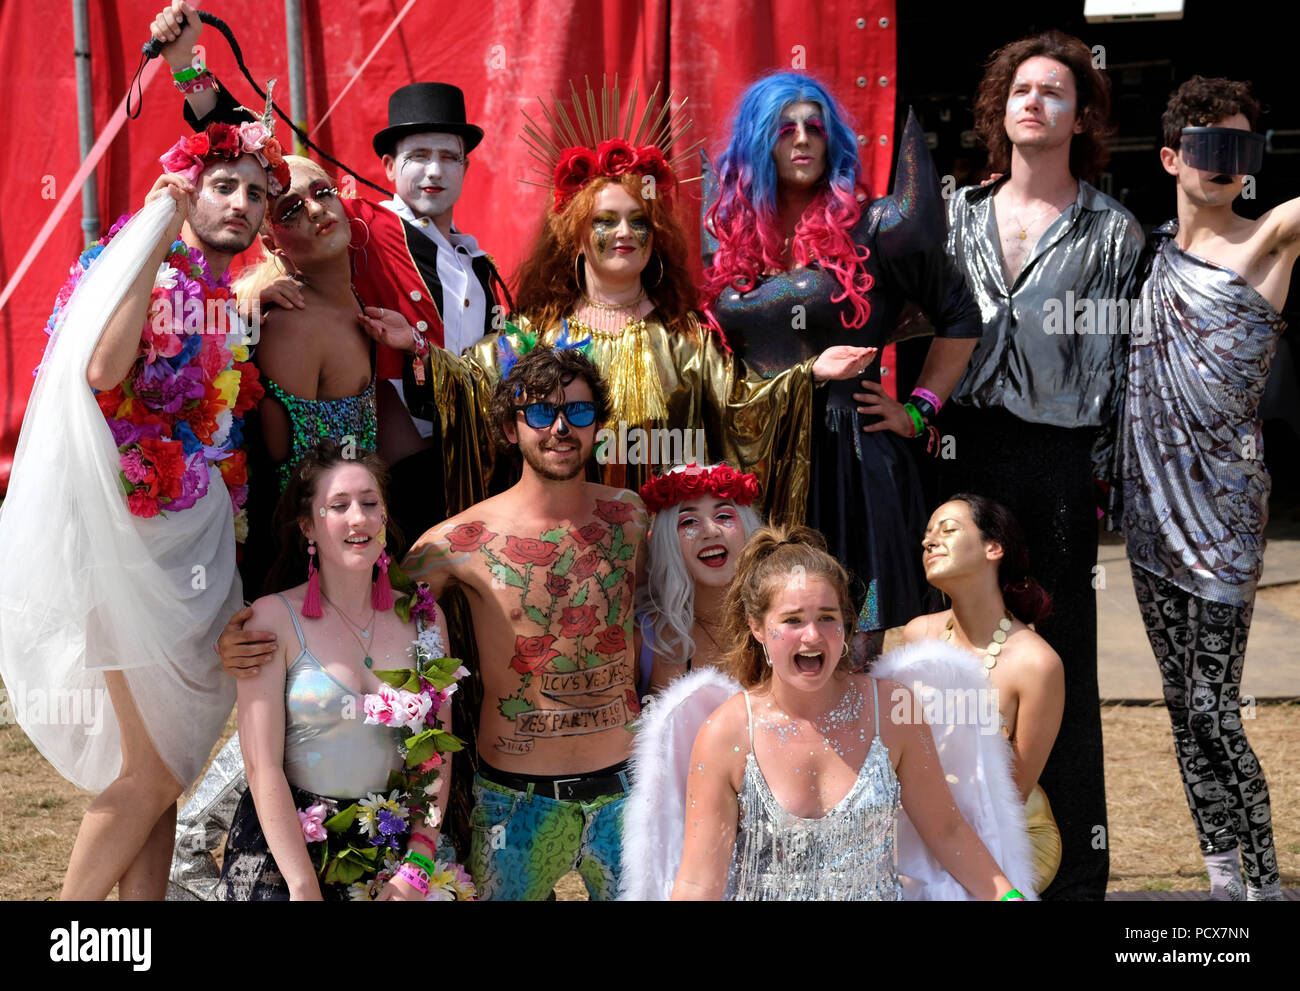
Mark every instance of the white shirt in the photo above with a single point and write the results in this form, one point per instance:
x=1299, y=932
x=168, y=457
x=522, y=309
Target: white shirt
x=464, y=305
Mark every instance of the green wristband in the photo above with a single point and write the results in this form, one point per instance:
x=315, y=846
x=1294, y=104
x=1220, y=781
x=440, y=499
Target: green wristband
x=918, y=421
x=420, y=860
x=1013, y=895
x=191, y=72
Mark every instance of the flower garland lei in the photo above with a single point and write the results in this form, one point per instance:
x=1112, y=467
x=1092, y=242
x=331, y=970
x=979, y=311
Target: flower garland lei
x=361, y=845
x=182, y=404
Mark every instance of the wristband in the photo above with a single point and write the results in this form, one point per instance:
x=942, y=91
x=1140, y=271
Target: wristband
x=929, y=397
x=197, y=84
x=1013, y=895
x=416, y=878
x=189, y=72
x=918, y=424
x=426, y=839
x=420, y=861
x=923, y=406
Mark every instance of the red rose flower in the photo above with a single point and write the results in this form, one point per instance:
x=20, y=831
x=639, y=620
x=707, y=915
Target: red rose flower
x=167, y=459
x=612, y=511
x=524, y=550
x=109, y=400
x=577, y=621
x=633, y=703
x=650, y=161
x=223, y=140
x=197, y=145
x=142, y=505
x=469, y=537
x=571, y=173
x=556, y=585
x=615, y=157
x=589, y=534
x=532, y=652
x=612, y=640
x=585, y=566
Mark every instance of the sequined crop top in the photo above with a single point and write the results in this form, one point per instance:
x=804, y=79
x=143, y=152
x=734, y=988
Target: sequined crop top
x=328, y=748
x=846, y=855
x=313, y=420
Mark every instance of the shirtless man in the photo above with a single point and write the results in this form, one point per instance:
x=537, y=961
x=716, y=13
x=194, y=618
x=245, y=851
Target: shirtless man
x=548, y=568
x=1194, y=482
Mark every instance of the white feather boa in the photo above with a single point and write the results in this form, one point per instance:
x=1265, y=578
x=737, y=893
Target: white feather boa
x=654, y=815
x=978, y=766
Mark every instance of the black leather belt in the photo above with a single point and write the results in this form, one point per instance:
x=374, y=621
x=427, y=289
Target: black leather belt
x=577, y=788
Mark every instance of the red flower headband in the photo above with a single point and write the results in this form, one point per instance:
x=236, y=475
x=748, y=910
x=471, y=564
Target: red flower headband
x=579, y=165
x=691, y=482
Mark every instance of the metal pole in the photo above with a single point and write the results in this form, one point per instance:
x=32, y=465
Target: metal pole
x=297, y=76
x=85, y=117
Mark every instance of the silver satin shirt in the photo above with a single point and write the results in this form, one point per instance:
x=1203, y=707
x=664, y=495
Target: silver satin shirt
x=1192, y=446
x=1028, y=361
x=846, y=855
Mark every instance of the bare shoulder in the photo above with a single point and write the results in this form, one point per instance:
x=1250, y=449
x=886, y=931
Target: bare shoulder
x=1035, y=654
x=725, y=728
x=900, y=716
x=926, y=626
x=616, y=505
x=288, y=348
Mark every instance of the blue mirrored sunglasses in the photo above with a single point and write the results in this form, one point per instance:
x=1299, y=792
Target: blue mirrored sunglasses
x=540, y=416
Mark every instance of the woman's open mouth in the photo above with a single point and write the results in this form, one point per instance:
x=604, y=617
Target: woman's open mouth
x=808, y=662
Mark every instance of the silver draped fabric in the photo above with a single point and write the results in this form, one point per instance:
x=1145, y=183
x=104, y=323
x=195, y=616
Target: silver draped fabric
x=1054, y=340
x=1192, y=448
x=846, y=855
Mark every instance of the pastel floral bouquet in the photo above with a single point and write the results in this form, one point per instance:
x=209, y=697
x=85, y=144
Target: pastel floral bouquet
x=181, y=406
x=362, y=845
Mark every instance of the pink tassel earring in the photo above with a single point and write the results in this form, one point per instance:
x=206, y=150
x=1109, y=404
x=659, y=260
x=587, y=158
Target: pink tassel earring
x=381, y=592
x=311, y=601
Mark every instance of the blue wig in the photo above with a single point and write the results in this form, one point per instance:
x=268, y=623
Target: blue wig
x=747, y=165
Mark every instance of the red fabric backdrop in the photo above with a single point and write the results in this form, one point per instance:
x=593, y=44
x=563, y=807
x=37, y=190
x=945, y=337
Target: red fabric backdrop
x=503, y=53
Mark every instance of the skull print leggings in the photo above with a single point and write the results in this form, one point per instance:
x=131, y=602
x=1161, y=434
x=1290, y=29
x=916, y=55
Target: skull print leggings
x=1201, y=647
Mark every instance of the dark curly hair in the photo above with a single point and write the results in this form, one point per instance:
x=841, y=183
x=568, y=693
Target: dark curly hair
x=538, y=375
x=1200, y=102
x=548, y=284
x=1088, y=152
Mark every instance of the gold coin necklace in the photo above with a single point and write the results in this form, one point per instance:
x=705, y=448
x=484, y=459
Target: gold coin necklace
x=994, y=648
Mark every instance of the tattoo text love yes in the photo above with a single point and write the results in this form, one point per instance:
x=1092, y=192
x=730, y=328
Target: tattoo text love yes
x=575, y=586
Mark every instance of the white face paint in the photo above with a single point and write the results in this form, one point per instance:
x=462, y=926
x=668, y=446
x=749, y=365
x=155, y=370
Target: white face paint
x=1041, y=103
x=428, y=171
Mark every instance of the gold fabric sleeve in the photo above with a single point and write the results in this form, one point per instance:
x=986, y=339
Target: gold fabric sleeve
x=716, y=411
x=1044, y=838
x=462, y=394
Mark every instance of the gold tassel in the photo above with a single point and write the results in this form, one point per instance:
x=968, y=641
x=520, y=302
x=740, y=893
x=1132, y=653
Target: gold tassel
x=636, y=393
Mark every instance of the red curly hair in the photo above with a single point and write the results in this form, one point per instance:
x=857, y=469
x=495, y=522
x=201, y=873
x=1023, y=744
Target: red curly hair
x=548, y=287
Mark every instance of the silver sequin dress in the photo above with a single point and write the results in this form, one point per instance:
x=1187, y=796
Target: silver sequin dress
x=846, y=855
x=1192, y=457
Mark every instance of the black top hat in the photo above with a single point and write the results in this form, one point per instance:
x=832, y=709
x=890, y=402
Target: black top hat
x=423, y=107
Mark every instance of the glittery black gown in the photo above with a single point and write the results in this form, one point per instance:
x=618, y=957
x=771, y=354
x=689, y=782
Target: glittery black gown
x=864, y=492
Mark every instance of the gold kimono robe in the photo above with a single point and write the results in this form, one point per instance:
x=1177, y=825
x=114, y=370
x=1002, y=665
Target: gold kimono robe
x=659, y=381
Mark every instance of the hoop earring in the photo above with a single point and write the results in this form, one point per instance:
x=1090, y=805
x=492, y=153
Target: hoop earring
x=365, y=227
x=845, y=651
x=766, y=656
x=577, y=274
x=655, y=284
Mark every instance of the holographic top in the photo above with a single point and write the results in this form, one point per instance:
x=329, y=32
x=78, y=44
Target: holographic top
x=846, y=855
x=313, y=420
x=1192, y=445
x=328, y=747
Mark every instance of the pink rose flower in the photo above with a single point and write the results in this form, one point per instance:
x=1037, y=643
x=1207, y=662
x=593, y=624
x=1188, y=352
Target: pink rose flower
x=381, y=708
x=410, y=708
x=312, y=822
x=433, y=762
x=252, y=137
x=178, y=161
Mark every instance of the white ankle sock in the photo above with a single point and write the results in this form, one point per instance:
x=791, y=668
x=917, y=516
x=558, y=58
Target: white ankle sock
x=1224, y=869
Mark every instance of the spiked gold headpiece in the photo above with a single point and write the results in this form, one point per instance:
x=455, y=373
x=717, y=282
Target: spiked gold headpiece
x=592, y=144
